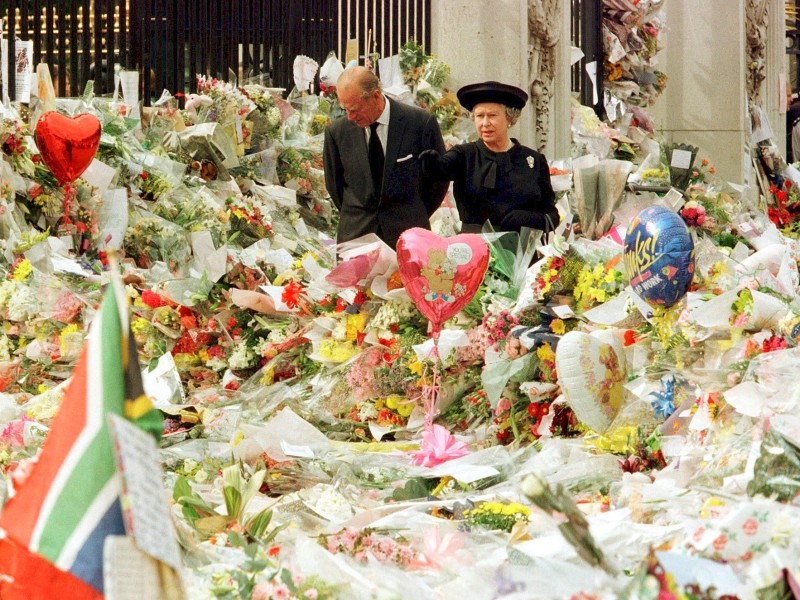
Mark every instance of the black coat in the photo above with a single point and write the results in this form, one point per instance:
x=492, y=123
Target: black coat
x=407, y=199
x=510, y=189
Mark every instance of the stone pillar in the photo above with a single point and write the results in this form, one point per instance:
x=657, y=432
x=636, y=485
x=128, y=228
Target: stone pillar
x=485, y=41
x=704, y=100
x=560, y=139
x=776, y=63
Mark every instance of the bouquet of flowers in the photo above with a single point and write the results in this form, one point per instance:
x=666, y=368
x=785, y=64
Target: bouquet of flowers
x=784, y=209
x=260, y=577
x=703, y=174
x=237, y=495
x=631, y=36
x=194, y=211
x=266, y=118
x=150, y=238
x=710, y=212
x=499, y=516
x=227, y=101
x=418, y=67
x=575, y=528
x=382, y=545
x=444, y=106
x=249, y=219
x=412, y=63
x=14, y=142
x=599, y=283
x=557, y=274
x=230, y=107
x=301, y=169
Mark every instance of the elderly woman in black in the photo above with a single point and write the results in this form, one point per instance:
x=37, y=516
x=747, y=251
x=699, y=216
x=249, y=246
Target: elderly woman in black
x=496, y=178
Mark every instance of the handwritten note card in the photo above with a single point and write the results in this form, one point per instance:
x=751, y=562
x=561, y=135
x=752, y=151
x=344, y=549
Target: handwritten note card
x=147, y=516
x=128, y=573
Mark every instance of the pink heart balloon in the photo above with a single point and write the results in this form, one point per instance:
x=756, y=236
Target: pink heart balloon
x=441, y=275
x=67, y=144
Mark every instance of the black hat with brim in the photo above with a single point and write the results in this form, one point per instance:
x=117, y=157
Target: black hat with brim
x=491, y=91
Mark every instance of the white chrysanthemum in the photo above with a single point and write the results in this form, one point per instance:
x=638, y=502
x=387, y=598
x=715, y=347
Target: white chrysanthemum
x=276, y=336
x=340, y=331
x=7, y=289
x=333, y=505
x=391, y=313
x=367, y=411
x=242, y=357
x=22, y=305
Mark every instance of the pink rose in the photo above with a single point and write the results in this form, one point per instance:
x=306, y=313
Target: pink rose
x=502, y=406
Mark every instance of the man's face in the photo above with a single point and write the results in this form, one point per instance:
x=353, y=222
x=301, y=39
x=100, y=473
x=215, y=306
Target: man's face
x=361, y=111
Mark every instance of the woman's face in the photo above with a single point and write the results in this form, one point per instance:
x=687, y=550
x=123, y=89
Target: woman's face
x=491, y=123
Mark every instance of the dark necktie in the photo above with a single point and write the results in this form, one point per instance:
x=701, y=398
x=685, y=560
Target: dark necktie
x=375, y=153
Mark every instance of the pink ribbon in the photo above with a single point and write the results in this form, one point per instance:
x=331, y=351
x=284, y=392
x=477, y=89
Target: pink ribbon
x=438, y=446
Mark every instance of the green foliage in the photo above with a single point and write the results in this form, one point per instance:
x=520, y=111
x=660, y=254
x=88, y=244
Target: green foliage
x=237, y=496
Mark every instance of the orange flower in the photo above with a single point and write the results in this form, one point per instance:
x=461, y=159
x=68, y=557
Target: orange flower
x=292, y=294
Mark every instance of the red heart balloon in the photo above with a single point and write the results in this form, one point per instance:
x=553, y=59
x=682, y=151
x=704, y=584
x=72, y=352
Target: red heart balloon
x=441, y=275
x=67, y=144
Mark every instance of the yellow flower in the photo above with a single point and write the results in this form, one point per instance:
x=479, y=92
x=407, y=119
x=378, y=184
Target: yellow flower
x=621, y=440
x=62, y=342
x=282, y=278
x=557, y=326
x=709, y=505
x=719, y=269
x=22, y=270
x=336, y=351
x=70, y=329
x=237, y=439
x=140, y=325
x=268, y=377
x=184, y=361
x=355, y=325
x=298, y=264
x=545, y=352
x=415, y=366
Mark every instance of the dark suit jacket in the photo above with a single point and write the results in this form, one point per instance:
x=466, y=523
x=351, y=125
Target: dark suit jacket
x=407, y=198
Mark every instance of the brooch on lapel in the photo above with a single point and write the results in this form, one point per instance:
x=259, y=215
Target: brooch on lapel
x=530, y=162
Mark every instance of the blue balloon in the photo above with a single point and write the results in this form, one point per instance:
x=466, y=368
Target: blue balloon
x=659, y=256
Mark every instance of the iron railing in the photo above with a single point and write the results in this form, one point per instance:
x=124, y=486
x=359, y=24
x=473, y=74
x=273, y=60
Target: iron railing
x=171, y=41
x=587, y=23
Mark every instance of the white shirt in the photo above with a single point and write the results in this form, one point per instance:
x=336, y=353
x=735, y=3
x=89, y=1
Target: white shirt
x=383, y=126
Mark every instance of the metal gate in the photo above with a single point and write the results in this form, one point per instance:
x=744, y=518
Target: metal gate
x=587, y=23
x=171, y=41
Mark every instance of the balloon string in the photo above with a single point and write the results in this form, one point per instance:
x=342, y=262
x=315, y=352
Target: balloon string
x=67, y=194
x=431, y=392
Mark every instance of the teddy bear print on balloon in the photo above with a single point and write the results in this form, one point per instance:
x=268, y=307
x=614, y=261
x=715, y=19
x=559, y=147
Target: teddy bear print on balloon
x=440, y=272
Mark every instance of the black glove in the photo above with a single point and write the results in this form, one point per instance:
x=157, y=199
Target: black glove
x=429, y=160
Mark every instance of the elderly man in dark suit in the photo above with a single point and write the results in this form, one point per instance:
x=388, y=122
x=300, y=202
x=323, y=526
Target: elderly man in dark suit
x=372, y=167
